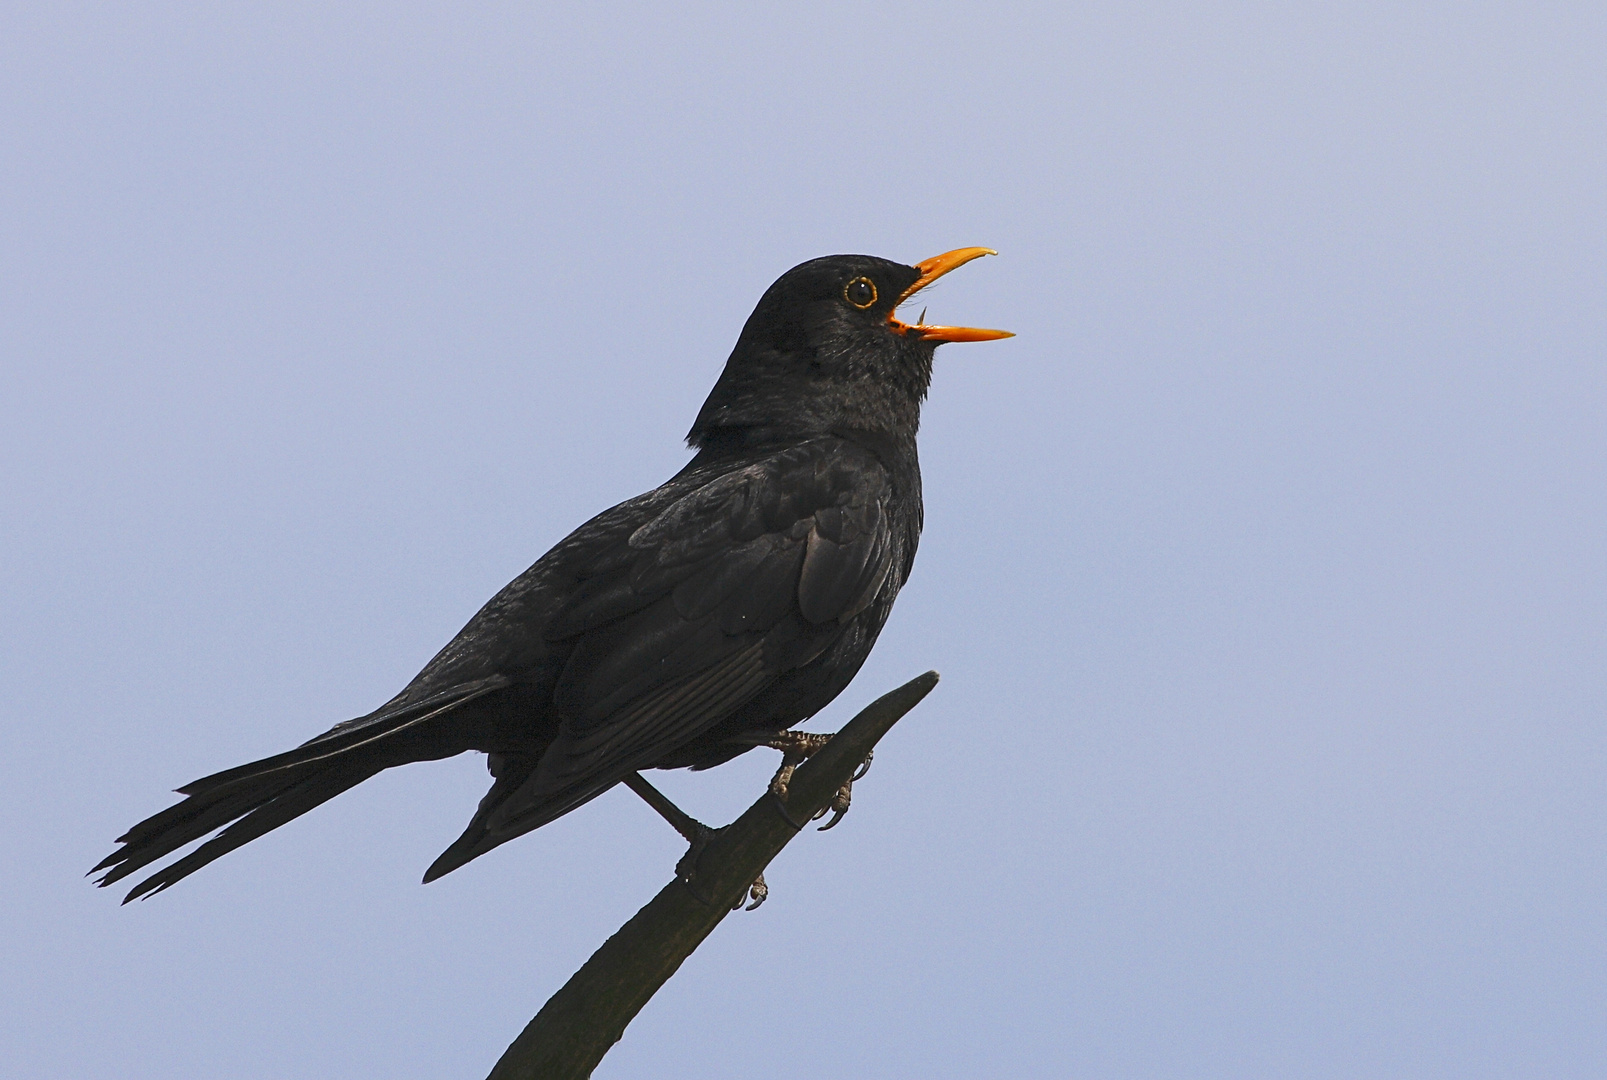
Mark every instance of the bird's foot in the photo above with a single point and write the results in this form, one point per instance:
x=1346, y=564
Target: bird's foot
x=797, y=747
x=697, y=837
x=757, y=893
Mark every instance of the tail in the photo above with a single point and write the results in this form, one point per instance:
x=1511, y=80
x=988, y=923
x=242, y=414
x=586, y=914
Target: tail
x=265, y=794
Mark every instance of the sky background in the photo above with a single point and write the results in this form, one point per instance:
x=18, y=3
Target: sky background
x=1266, y=569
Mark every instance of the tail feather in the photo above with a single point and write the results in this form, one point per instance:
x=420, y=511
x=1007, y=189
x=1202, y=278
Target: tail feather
x=178, y=825
x=351, y=735
x=265, y=794
x=301, y=798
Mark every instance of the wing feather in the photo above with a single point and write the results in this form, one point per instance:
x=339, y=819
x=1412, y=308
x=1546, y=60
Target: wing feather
x=695, y=613
x=837, y=573
x=578, y=767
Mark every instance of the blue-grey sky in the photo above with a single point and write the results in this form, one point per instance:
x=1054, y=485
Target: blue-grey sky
x=1265, y=569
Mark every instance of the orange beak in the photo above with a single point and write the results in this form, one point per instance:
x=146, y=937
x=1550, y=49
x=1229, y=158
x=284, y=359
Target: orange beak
x=931, y=270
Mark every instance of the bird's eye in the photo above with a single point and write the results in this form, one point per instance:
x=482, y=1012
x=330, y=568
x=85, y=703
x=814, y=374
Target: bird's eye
x=861, y=292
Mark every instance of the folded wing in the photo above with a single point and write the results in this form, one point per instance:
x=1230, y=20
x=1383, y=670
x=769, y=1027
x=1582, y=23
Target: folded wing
x=746, y=577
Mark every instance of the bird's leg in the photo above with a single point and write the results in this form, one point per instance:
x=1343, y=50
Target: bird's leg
x=796, y=747
x=696, y=833
x=693, y=830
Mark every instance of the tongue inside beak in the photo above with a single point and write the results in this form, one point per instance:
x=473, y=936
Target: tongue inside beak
x=931, y=270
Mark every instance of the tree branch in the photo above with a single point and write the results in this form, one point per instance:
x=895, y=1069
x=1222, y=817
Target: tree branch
x=587, y=1016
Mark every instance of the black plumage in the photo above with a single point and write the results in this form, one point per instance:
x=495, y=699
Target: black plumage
x=737, y=599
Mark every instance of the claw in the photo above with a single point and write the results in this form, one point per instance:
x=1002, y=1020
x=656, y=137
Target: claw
x=758, y=892
x=838, y=806
x=864, y=767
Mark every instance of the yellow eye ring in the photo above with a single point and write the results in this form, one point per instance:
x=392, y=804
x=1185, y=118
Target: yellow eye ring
x=861, y=292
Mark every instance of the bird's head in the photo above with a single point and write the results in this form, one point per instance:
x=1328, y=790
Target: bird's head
x=824, y=351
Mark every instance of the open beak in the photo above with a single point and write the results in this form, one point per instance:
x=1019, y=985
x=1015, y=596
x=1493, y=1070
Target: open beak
x=931, y=270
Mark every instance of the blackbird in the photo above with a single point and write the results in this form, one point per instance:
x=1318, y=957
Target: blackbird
x=680, y=628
